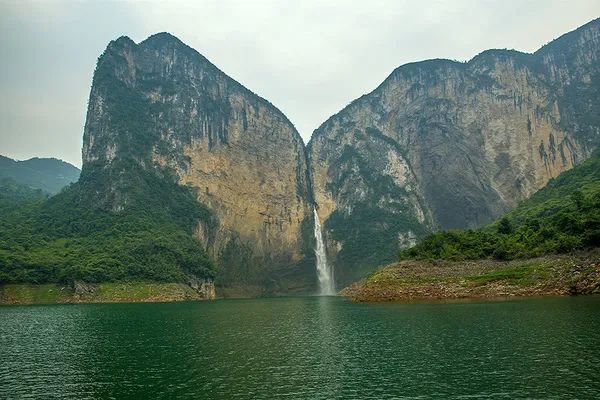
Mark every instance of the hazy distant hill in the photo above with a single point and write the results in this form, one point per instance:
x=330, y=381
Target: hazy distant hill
x=47, y=174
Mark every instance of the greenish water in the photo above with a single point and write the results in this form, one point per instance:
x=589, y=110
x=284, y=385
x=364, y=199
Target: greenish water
x=302, y=348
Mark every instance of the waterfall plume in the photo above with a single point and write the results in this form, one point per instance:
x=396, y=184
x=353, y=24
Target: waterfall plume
x=324, y=270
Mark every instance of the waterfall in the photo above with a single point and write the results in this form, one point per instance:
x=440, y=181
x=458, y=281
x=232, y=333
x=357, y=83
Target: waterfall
x=324, y=271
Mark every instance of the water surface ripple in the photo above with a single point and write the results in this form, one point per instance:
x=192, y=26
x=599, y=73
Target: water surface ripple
x=303, y=348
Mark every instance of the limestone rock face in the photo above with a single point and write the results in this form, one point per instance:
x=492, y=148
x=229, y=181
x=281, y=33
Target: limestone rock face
x=165, y=108
x=442, y=144
x=439, y=144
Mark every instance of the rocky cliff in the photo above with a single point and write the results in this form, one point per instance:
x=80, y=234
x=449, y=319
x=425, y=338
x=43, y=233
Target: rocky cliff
x=439, y=144
x=442, y=144
x=161, y=107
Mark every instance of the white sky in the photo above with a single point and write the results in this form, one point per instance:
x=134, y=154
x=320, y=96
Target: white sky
x=309, y=58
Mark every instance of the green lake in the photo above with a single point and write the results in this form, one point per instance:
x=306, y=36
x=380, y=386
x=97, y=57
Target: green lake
x=302, y=348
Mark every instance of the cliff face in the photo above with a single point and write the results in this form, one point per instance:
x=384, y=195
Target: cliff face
x=162, y=107
x=443, y=144
x=439, y=144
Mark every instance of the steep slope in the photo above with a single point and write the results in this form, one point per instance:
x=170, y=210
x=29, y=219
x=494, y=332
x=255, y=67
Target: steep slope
x=443, y=144
x=161, y=107
x=47, y=174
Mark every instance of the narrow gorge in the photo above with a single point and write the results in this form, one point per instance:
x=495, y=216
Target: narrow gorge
x=439, y=144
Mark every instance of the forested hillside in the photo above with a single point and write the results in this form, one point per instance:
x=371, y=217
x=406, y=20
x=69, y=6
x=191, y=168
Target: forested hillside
x=67, y=237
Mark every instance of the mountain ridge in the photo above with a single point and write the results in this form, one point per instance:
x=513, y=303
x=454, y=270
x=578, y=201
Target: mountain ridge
x=496, y=51
x=168, y=38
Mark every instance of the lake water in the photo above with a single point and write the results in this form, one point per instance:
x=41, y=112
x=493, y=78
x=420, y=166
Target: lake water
x=303, y=348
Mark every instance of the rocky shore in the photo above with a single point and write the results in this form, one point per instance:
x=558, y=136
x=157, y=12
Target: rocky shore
x=416, y=280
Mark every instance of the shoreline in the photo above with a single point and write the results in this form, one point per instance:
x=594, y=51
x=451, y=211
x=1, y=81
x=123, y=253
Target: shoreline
x=108, y=292
x=425, y=280
x=410, y=281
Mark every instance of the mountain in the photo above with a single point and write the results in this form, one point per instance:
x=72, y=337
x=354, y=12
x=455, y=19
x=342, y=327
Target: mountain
x=162, y=108
x=442, y=144
x=47, y=174
x=187, y=177
x=13, y=194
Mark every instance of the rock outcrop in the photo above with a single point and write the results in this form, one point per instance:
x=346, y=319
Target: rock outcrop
x=161, y=106
x=442, y=144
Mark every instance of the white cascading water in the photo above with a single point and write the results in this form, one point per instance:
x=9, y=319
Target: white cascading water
x=324, y=271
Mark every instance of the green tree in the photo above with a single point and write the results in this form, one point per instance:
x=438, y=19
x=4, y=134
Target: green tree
x=578, y=199
x=505, y=226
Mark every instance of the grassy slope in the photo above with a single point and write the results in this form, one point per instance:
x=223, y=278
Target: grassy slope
x=556, y=195
x=564, y=216
x=426, y=279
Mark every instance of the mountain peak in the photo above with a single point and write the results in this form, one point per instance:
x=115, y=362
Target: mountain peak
x=120, y=42
x=162, y=39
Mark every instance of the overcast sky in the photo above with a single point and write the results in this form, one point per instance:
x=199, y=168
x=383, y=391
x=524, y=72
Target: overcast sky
x=309, y=58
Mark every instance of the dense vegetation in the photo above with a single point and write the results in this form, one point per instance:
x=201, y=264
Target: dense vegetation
x=562, y=217
x=12, y=194
x=69, y=237
x=47, y=174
